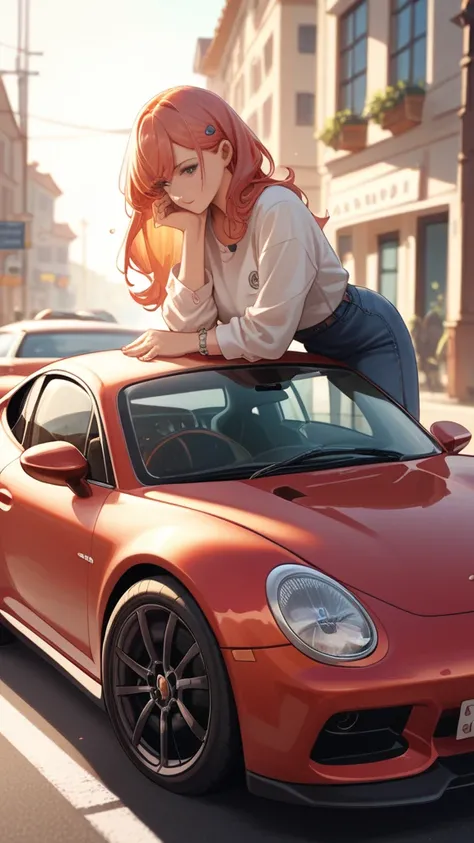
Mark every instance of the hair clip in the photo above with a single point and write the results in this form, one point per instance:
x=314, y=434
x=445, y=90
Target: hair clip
x=209, y=130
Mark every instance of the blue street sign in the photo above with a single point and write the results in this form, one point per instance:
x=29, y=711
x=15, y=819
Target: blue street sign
x=12, y=236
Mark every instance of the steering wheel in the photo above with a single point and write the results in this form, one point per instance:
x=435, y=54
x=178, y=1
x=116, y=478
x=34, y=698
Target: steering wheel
x=238, y=451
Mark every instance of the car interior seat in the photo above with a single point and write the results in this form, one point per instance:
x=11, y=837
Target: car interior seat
x=256, y=432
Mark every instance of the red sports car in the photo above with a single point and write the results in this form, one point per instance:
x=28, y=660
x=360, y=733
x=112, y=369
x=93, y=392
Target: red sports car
x=270, y=562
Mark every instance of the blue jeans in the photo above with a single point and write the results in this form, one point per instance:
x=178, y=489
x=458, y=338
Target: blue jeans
x=370, y=336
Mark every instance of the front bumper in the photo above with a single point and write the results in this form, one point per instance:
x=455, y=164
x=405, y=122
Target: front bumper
x=423, y=669
x=447, y=774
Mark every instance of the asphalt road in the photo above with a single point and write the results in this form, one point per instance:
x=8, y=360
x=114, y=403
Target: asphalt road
x=64, y=732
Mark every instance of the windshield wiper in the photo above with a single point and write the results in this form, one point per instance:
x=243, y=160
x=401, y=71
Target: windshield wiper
x=329, y=451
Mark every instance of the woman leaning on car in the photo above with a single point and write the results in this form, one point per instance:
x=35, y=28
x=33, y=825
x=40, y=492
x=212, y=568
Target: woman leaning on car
x=235, y=258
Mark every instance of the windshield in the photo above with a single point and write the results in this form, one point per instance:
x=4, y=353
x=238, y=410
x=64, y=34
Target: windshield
x=229, y=423
x=57, y=344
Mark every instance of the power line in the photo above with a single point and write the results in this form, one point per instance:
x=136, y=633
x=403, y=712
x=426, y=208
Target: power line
x=18, y=49
x=9, y=47
x=95, y=129
x=63, y=137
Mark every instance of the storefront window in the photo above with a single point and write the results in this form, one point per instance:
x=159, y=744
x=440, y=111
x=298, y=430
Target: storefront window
x=344, y=245
x=388, y=267
x=353, y=58
x=434, y=264
x=408, y=42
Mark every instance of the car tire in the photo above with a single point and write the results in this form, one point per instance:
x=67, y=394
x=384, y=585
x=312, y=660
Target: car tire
x=6, y=636
x=158, y=625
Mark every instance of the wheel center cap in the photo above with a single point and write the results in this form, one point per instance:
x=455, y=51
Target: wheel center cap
x=163, y=688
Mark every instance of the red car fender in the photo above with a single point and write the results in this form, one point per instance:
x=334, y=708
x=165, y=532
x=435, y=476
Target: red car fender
x=224, y=570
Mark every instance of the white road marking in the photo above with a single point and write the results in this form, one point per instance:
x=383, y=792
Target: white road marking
x=82, y=790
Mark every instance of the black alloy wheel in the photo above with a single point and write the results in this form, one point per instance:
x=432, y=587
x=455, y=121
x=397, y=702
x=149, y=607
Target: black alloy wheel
x=166, y=689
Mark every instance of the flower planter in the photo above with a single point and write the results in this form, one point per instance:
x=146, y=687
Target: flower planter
x=405, y=115
x=352, y=137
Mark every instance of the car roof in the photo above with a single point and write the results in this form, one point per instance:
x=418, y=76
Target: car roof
x=42, y=326
x=115, y=370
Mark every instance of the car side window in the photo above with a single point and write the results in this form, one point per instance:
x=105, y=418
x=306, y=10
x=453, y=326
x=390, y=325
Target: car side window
x=63, y=413
x=94, y=453
x=21, y=406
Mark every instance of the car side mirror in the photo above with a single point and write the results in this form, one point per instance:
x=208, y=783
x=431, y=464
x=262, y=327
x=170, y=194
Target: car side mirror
x=451, y=435
x=58, y=463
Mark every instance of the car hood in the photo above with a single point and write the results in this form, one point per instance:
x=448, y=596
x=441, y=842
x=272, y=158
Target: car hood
x=401, y=532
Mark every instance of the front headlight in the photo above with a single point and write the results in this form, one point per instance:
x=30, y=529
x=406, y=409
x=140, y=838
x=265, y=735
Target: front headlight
x=319, y=616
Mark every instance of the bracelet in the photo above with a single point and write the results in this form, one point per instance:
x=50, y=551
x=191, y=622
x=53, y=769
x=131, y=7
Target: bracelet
x=202, y=334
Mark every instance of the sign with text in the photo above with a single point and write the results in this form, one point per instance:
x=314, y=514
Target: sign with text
x=12, y=236
x=10, y=276
x=399, y=188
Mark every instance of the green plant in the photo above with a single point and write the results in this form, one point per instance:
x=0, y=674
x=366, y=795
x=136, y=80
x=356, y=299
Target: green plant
x=384, y=101
x=333, y=128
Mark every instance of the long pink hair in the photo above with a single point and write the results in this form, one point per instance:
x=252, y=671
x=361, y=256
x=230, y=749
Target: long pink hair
x=181, y=116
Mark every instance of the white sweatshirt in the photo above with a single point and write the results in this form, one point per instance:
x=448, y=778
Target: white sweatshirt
x=283, y=277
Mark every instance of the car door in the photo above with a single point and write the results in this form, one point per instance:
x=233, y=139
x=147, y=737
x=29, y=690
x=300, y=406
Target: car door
x=46, y=530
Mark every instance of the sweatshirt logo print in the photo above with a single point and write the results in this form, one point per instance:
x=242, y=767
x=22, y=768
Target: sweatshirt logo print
x=254, y=280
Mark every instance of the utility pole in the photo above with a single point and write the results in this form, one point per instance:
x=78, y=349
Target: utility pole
x=22, y=72
x=461, y=332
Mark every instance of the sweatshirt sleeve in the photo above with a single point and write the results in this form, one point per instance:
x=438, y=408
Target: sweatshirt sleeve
x=189, y=310
x=286, y=273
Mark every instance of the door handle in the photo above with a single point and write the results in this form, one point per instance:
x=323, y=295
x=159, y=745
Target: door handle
x=6, y=499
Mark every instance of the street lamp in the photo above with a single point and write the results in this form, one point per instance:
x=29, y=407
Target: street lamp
x=461, y=332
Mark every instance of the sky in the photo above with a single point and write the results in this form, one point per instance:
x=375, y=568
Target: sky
x=103, y=59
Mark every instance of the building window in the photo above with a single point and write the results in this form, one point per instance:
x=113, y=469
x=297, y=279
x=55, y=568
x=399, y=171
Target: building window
x=353, y=59
x=44, y=254
x=408, y=42
x=45, y=204
x=267, y=117
x=432, y=247
x=307, y=38
x=6, y=207
x=240, y=51
x=388, y=266
x=305, y=109
x=252, y=122
x=258, y=9
x=240, y=95
x=255, y=76
x=344, y=245
x=268, y=54
x=62, y=254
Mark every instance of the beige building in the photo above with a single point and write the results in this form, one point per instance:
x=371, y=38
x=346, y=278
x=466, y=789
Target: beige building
x=11, y=187
x=262, y=60
x=395, y=204
x=48, y=263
